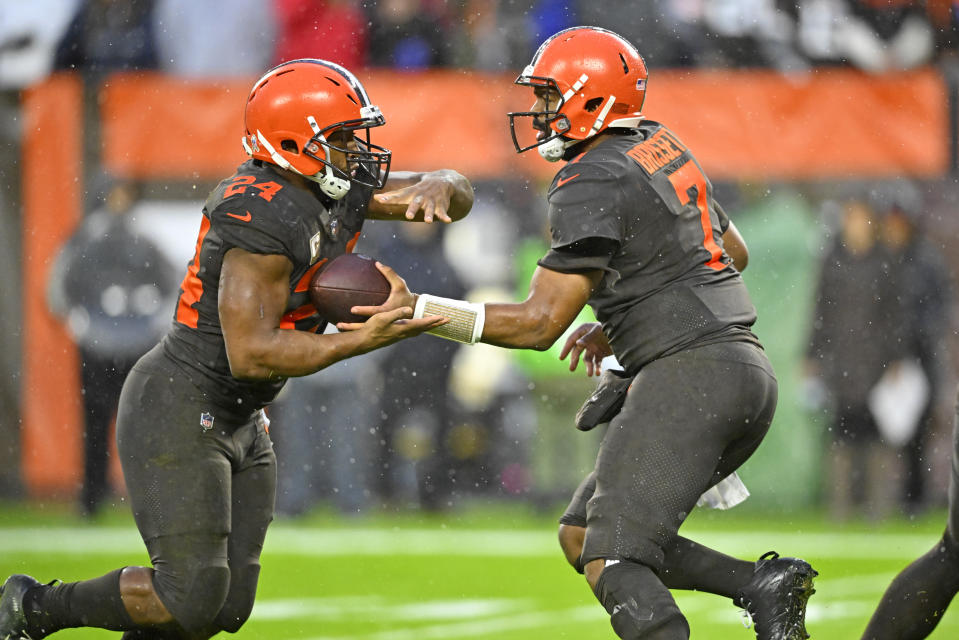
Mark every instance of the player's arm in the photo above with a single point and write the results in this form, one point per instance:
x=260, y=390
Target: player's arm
x=554, y=301
x=253, y=294
x=735, y=247
x=423, y=197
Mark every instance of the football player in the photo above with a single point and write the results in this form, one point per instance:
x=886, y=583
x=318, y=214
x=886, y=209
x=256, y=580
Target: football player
x=637, y=234
x=917, y=598
x=191, y=432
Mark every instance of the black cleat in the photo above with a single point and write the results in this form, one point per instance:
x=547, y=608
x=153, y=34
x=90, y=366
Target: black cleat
x=776, y=597
x=13, y=618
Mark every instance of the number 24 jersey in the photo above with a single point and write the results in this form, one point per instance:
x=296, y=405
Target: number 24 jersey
x=260, y=211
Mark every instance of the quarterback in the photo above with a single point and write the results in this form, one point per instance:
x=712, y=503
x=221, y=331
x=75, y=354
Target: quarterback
x=637, y=234
x=191, y=432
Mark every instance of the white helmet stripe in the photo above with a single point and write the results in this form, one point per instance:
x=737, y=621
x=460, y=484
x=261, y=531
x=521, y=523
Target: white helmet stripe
x=316, y=131
x=277, y=158
x=602, y=114
x=576, y=87
x=320, y=137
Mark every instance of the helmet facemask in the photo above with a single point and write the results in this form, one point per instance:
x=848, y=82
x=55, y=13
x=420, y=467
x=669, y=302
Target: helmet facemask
x=600, y=79
x=368, y=164
x=552, y=123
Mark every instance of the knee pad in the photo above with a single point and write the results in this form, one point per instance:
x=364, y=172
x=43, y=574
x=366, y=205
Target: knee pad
x=239, y=602
x=196, y=598
x=639, y=605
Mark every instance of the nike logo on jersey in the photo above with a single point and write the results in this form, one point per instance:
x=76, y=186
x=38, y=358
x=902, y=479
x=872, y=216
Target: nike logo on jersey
x=245, y=218
x=562, y=181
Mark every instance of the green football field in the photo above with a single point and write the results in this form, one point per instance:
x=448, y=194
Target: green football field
x=487, y=571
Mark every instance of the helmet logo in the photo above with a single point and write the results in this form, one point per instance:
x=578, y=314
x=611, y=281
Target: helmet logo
x=640, y=85
x=254, y=143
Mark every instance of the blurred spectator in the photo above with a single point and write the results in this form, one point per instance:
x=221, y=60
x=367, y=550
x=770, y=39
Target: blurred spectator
x=923, y=287
x=334, y=30
x=818, y=29
x=114, y=289
x=408, y=35
x=29, y=33
x=413, y=459
x=490, y=36
x=748, y=33
x=888, y=35
x=494, y=431
x=547, y=17
x=668, y=32
x=873, y=35
x=323, y=436
x=214, y=38
x=108, y=35
x=851, y=343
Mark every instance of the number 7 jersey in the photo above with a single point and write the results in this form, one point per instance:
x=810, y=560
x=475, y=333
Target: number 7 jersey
x=639, y=208
x=259, y=211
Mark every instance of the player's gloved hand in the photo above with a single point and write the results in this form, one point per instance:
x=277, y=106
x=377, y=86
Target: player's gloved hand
x=589, y=341
x=431, y=195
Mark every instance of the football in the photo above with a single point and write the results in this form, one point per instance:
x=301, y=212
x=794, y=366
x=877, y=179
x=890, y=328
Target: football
x=347, y=281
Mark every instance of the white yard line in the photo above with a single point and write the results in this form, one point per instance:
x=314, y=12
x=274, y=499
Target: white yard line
x=482, y=628
x=290, y=540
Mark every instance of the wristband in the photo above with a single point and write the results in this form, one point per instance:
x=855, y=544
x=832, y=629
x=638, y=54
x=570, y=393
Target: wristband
x=466, y=318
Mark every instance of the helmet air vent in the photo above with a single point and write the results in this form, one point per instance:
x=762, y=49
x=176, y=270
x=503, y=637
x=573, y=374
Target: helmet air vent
x=625, y=66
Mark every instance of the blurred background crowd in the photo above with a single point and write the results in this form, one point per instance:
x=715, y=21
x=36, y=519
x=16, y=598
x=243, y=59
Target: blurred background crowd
x=243, y=37
x=853, y=278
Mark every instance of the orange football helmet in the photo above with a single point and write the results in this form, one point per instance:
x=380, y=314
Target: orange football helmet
x=601, y=82
x=291, y=112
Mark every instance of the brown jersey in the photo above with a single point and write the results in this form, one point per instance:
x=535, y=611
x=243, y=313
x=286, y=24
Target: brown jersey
x=260, y=211
x=640, y=208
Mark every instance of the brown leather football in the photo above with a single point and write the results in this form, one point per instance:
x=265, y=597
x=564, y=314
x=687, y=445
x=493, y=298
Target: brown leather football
x=346, y=281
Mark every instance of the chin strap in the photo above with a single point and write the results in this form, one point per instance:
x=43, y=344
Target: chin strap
x=330, y=184
x=553, y=149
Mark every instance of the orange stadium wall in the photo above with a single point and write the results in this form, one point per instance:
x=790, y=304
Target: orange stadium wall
x=742, y=125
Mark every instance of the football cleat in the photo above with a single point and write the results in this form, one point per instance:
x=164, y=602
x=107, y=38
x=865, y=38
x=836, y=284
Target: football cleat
x=775, y=599
x=13, y=618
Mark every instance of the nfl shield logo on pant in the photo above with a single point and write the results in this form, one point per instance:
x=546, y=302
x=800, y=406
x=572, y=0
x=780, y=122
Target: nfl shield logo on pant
x=206, y=421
